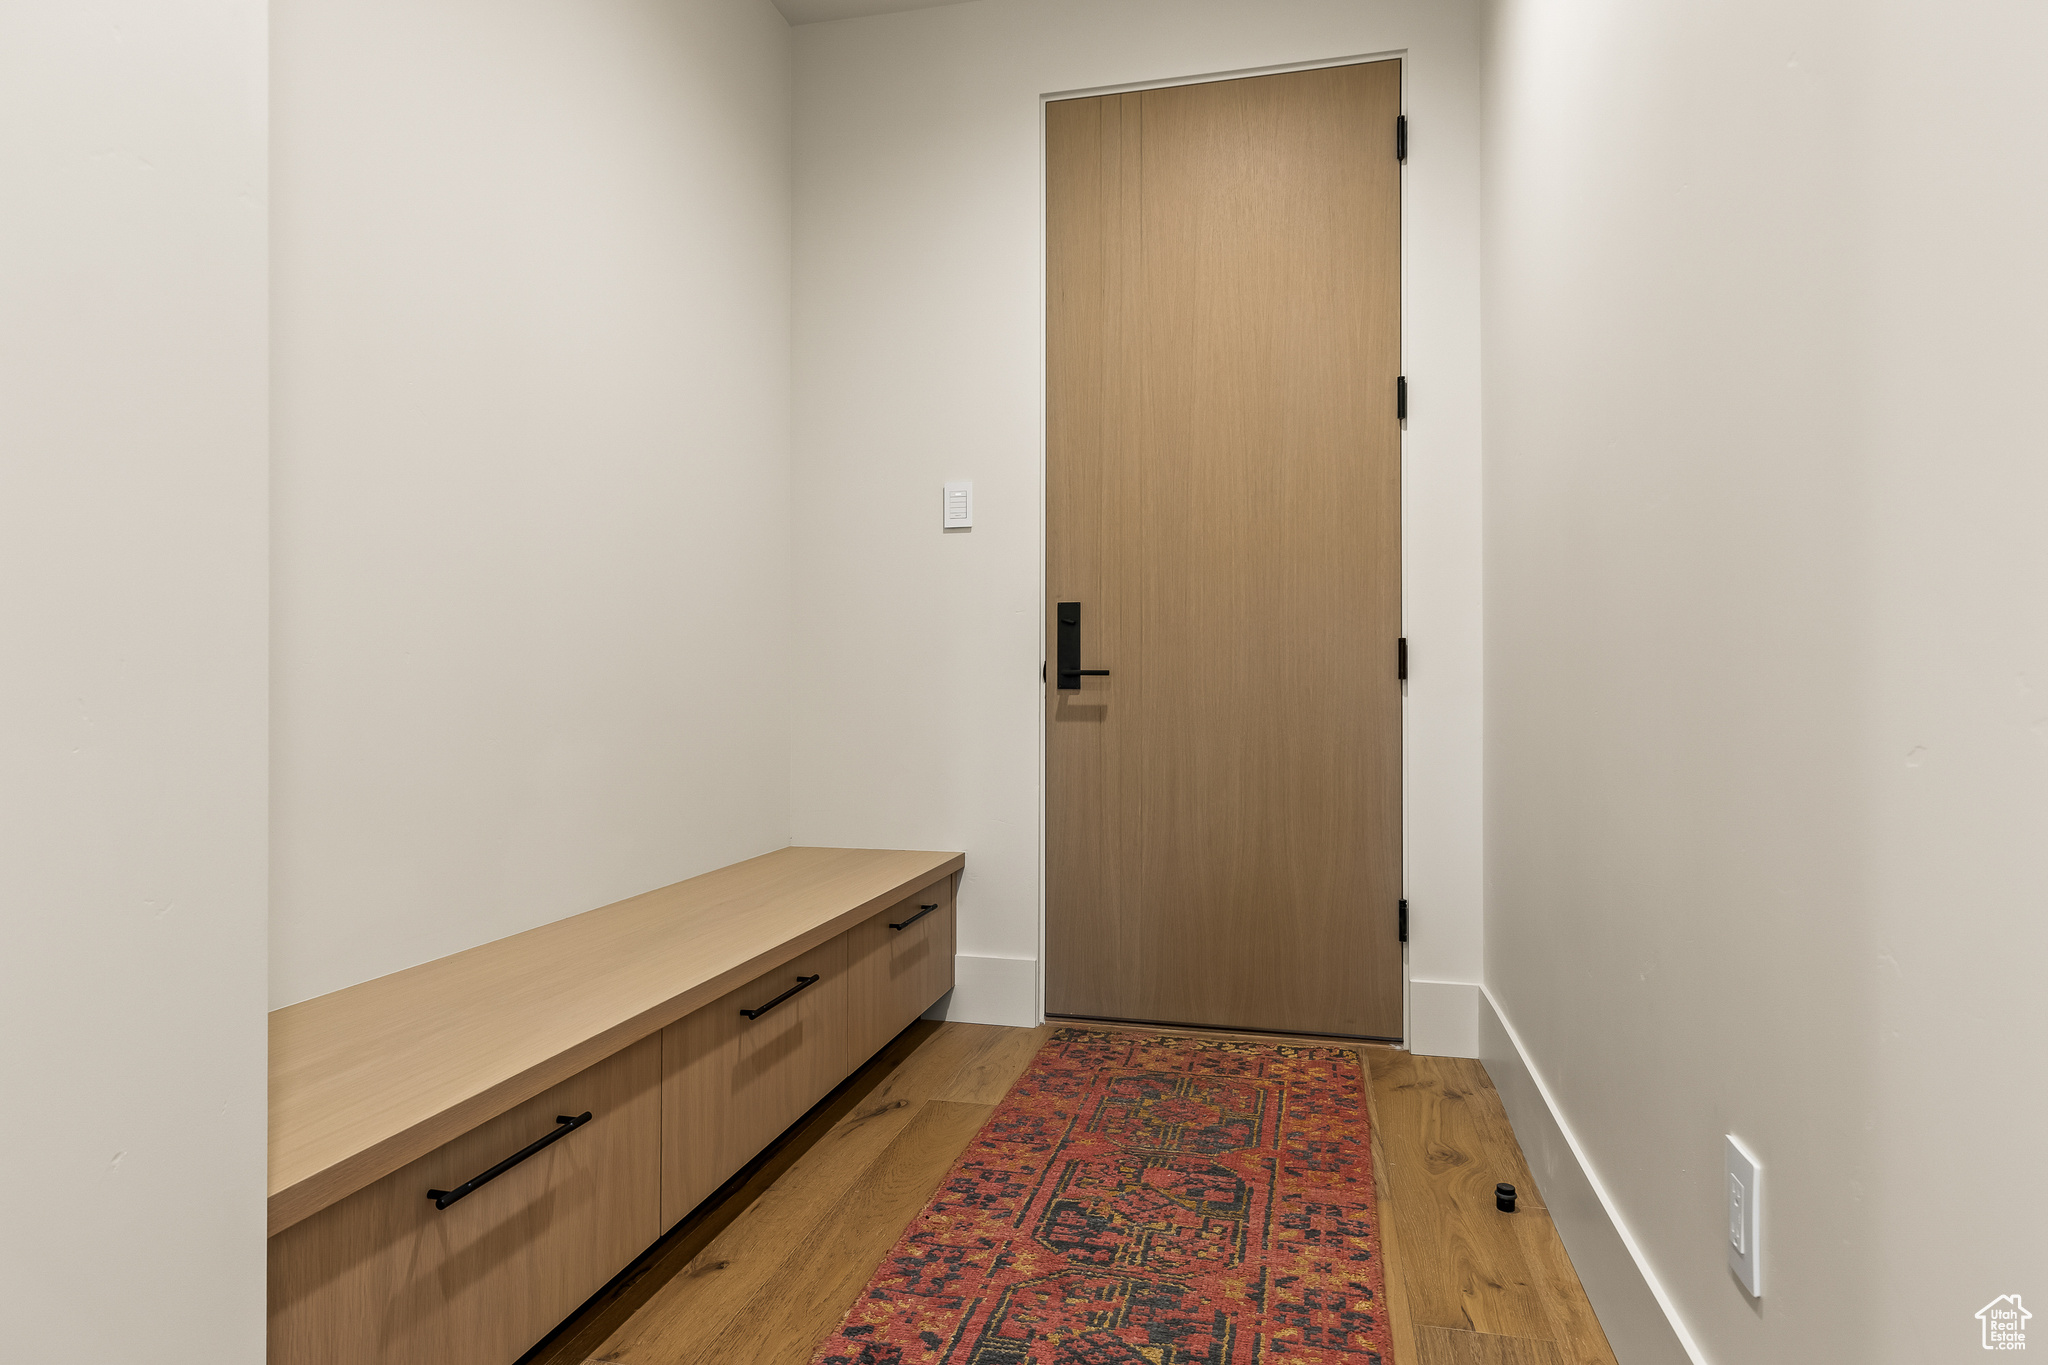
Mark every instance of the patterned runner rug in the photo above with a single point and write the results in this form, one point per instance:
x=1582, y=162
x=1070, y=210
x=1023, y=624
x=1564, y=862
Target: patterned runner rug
x=1145, y=1199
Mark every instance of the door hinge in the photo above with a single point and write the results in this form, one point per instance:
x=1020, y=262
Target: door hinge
x=1401, y=398
x=1401, y=659
x=1404, y=921
x=1401, y=138
x=1041, y=670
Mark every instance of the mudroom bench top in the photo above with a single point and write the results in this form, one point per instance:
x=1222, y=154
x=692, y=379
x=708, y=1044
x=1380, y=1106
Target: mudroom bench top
x=366, y=1079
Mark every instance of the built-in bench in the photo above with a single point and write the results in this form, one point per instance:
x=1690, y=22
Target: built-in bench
x=631, y=1059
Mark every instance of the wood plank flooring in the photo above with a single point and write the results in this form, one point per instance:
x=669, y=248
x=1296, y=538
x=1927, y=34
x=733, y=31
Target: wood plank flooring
x=1442, y=1346
x=1478, y=1287
x=766, y=1268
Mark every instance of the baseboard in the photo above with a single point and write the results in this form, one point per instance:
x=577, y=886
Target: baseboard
x=1443, y=1018
x=1641, y=1322
x=991, y=990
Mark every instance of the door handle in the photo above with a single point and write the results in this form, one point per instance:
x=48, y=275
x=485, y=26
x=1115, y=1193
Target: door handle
x=1070, y=671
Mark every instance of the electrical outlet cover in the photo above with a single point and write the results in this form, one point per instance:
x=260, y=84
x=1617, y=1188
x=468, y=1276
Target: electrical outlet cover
x=1740, y=1187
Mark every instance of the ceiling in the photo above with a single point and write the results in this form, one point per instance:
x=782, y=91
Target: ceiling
x=818, y=11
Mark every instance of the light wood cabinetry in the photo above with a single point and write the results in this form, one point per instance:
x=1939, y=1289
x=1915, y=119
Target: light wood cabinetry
x=694, y=1024
x=895, y=973
x=386, y=1278
x=369, y=1078
x=731, y=1083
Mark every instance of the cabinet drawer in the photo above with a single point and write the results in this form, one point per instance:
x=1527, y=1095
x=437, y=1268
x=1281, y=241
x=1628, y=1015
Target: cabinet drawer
x=730, y=1084
x=386, y=1278
x=895, y=975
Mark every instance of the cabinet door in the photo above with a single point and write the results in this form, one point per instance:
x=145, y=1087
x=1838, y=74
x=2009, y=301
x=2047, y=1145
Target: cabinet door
x=731, y=1083
x=895, y=974
x=386, y=1278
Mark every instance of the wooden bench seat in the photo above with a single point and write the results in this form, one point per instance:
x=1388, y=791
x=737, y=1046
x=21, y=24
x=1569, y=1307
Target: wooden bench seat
x=416, y=1077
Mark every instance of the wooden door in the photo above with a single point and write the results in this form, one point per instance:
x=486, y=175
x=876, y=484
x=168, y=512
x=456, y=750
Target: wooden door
x=1223, y=504
x=386, y=1278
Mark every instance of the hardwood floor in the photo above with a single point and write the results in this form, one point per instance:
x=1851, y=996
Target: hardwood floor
x=768, y=1265
x=1478, y=1287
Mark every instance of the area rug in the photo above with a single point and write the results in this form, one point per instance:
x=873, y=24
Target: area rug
x=1144, y=1199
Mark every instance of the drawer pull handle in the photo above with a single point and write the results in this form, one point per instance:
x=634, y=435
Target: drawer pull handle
x=922, y=911
x=564, y=1126
x=801, y=982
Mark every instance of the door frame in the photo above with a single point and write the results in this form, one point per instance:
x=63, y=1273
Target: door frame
x=1044, y=602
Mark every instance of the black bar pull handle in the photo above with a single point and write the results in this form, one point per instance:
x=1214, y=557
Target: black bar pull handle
x=564, y=1125
x=801, y=982
x=1069, y=642
x=922, y=911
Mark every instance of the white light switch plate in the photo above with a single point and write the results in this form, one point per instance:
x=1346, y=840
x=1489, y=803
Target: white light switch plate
x=959, y=505
x=1740, y=1188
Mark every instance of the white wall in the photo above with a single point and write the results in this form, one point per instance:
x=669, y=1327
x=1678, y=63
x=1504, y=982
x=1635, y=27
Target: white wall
x=1767, y=312
x=532, y=405
x=919, y=359
x=132, y=693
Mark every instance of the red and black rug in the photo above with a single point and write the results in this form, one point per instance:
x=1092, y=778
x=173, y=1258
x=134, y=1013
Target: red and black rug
x=1144, y=1199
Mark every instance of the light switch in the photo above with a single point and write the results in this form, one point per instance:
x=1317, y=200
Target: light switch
x=959, y=505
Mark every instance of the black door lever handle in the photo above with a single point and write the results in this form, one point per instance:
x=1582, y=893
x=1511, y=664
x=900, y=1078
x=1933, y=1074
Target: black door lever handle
x=1070, y=671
